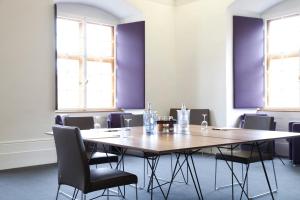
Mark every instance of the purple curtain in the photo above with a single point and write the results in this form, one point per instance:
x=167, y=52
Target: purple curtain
x=130, y=58
x=248, y=59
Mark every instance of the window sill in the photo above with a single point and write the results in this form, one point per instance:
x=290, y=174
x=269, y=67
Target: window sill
x=280, y=109
x=90, y=110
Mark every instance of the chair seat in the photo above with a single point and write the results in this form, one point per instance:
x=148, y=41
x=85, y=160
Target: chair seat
x=102, y=178
x=102, y=158
x=243, y=156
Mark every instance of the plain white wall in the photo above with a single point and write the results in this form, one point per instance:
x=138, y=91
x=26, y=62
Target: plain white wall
x=160, y=72
x=200, y=35
x=27, y=82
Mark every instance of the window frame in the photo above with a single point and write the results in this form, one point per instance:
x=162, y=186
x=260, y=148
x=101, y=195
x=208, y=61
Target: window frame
x=268, y=59
x=83, y=59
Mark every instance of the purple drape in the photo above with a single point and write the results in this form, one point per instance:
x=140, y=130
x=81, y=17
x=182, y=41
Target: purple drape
x=248, y=59
x=130, y=54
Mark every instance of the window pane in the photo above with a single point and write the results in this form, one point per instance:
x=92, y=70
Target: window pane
x=284, y=84
x=100, y=85
x=284, y=35
x=99, y=40
x=68, y=36
x=68, y=84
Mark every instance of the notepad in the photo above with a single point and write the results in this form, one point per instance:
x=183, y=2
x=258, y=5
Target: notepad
x=225, y=128
x=100, y=135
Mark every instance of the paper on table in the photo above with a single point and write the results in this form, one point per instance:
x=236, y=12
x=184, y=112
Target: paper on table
x=99, y=134
x=225, y=128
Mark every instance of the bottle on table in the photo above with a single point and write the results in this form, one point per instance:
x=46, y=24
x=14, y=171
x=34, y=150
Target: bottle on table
x=150, y=118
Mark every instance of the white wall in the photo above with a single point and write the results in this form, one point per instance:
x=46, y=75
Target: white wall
x=27, y=82
x=201, y=55
x=161, y=83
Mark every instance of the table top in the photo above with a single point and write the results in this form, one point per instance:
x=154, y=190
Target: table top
x=195, y=138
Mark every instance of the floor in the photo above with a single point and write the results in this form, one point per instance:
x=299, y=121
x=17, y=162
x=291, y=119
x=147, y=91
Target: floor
x=40, y=182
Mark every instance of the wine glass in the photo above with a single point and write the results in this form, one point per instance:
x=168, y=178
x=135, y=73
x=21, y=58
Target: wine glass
x=204, y=123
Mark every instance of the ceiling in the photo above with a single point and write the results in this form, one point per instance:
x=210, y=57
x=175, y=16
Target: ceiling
x=122, y=9
x=255, y=6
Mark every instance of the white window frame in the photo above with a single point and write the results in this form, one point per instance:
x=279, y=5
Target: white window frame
x=83, y=58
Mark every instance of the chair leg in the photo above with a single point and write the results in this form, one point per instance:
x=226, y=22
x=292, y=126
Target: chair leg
x=144, y=181
x=216, y=165
x=136, y=191
x=83, y=196
x=268, y=192
x=275, y=177
x=57, y=192
x=74, y=193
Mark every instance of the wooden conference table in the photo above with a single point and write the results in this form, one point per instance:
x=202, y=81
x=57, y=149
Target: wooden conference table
x=183, y=145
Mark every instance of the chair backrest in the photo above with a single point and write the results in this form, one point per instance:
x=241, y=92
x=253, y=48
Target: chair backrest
x=296, y=127
x=115, y=120
x=73, y=168
x=259, y=122
x=173, y=112
x=196, y=117
x=136, y=120
x=83, y=123
x=241, y=120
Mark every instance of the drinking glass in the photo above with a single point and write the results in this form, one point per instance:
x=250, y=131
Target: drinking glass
x=127, y=124
x=97, y=122
x=204, y=123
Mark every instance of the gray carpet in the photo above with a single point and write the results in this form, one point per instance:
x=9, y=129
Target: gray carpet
x=40, y=183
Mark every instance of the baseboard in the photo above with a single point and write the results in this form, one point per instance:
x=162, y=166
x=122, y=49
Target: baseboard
x=24, y=153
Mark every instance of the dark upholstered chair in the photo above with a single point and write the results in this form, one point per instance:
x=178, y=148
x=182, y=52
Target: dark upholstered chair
x=95, y=157
x=136, y=120
x=115, y=120
x=173, y=112
x=294, y=144
x=73, y=165
x=83, y=123
x=242, y=156
x=196, y=117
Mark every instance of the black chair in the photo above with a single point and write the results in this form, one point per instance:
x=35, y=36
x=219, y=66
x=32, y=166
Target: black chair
x=196, y=115
x=83, y=123
x=173, y=112
x=96, y=157
x=294, y=143
x=73, y=165
x=135, y=120
x=243, y=156
x=115, y=119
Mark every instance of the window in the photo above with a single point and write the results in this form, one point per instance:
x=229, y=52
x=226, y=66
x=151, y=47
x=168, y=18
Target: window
x=283, y=62
x=85, y=65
